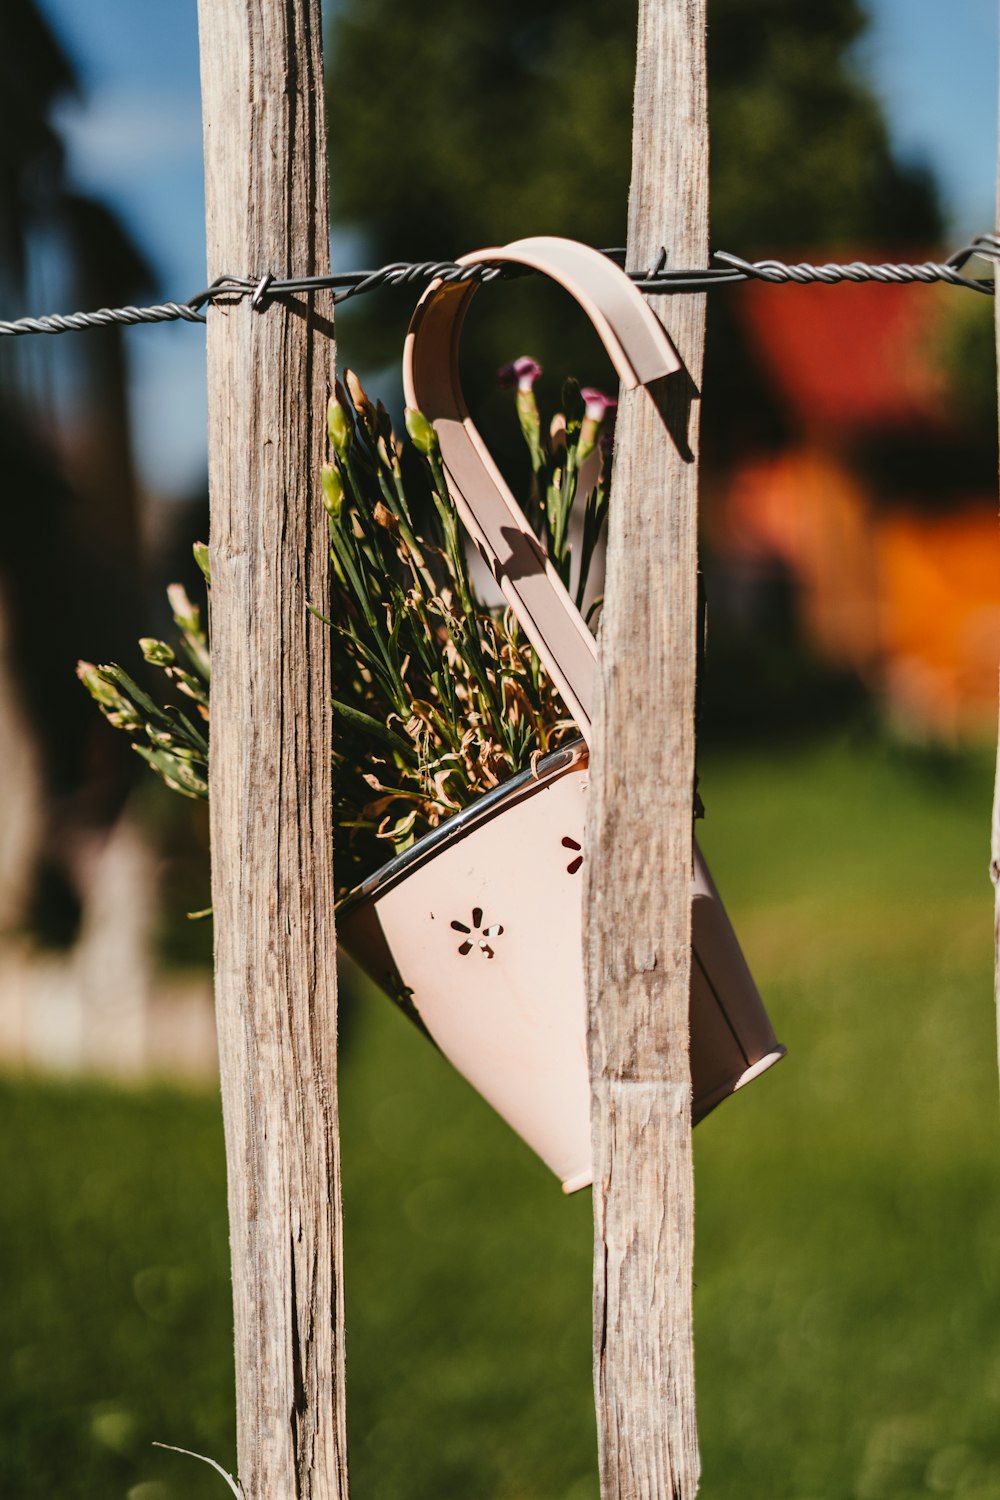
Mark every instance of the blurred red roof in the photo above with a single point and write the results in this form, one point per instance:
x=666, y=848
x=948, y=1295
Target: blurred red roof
x=849, y=358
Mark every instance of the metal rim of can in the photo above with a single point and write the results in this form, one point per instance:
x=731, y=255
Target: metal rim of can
x=567, y=758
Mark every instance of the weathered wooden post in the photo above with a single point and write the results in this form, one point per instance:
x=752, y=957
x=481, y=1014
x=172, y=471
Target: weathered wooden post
x=638, y=895
x=272, y=846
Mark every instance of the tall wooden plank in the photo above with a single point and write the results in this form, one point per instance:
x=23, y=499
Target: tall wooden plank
x=638, y=895
x=272, y=845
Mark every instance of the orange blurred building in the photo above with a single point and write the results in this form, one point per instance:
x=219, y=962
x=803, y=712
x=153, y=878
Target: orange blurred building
x=869, y=507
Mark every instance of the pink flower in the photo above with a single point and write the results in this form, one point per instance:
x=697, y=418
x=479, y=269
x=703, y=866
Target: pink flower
x=599, y=417
x=597, y=403
x=523, y=373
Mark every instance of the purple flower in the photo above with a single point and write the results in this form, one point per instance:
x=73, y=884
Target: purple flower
x=523, y=373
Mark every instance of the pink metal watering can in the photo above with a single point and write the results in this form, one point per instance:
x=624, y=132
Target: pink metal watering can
x=478, y=927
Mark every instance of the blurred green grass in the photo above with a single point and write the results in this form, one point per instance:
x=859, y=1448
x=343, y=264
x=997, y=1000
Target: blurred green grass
x=848, y=1217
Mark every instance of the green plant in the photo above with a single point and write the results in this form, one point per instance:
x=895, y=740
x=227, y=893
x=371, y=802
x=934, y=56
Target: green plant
x=436, y=696
x=176, y=748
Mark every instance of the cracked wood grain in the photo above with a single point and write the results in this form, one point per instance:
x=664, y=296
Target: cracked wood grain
x=271, y=794
x=638, y=895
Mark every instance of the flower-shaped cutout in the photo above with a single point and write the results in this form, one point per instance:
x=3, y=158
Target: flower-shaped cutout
x=478, y=935
x=577, y=861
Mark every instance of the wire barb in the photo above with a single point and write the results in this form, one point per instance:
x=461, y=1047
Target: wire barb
x=659, y=280
x=260, y=292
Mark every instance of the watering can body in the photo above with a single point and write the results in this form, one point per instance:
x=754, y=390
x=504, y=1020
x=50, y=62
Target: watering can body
x=478, y=930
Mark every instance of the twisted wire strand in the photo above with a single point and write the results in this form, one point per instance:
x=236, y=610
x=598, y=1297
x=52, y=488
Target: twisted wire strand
x=104, y=317
x=888, y=272
x=660, y=279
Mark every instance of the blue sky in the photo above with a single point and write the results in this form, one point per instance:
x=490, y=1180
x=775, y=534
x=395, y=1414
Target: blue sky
x=134, y=139
x=934, y=64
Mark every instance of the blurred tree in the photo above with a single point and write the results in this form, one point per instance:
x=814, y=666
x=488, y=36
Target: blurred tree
x=33, y=73
x=71, y=482
x=801, y=154
x=455, y=126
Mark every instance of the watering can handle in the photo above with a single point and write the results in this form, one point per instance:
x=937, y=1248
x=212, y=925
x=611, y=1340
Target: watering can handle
x=641, y=352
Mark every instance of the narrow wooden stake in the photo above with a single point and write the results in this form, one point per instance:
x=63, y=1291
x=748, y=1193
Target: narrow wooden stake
x=638, y=895
x=271, y=795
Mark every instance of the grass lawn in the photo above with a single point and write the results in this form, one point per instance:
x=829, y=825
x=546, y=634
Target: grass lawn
x=848, y=1225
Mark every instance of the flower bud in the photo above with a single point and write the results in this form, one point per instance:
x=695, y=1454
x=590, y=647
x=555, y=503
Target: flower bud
x=102, y=692
x=333, y=491
x=200, y=551
x=523, y=373
x=187, y=616
x=157, y=653
x=422, y=434
x=338, y=426
x=359, y=396
x=600, y=411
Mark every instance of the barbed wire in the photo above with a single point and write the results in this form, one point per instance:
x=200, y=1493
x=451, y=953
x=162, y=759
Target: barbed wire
x=659, y=280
